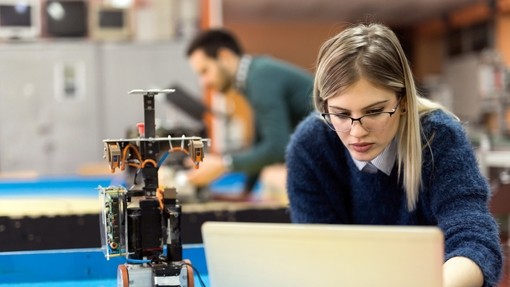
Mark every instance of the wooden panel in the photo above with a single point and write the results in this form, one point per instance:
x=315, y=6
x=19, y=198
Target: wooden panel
x=470, y=15
x=504, y=6
x=428, y=49
x=502, y=39
x=431, y=28
x=295, y=42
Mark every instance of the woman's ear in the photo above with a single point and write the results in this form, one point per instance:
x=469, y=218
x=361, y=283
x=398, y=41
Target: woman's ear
x=403, y=107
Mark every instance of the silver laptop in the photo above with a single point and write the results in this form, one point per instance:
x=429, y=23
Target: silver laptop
x=283, y=254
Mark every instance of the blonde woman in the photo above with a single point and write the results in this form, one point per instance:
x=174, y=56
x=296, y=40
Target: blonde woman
x=378, y=153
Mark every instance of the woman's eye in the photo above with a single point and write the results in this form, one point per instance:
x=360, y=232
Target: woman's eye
x=374, y=111
x=341, y=116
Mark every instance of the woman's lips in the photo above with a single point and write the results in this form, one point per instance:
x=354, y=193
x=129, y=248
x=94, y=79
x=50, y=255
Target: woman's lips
x=361, y=147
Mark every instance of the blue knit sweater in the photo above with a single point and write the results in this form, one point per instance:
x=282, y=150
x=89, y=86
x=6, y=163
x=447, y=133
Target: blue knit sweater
x=325, y=186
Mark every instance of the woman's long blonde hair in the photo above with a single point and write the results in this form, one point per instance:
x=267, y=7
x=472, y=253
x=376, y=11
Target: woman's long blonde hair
x=374, y=52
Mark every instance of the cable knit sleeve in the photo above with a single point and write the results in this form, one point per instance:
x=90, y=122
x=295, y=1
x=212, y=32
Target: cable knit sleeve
x=459, y=196
x=312, y=185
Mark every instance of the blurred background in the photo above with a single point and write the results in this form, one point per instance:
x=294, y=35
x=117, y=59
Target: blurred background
x=66, y=68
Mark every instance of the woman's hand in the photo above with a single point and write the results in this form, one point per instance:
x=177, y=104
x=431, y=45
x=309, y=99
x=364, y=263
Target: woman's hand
x=461, y=272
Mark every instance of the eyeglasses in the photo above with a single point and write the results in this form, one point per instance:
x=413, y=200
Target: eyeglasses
x=373, y=121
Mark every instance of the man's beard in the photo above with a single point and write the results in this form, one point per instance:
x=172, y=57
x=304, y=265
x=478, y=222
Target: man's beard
x=226, y=81
x=227, y=85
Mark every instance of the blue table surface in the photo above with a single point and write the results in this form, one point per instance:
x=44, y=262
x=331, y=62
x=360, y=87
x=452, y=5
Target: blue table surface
x=67, y=186
x=85, y=283
x=76, y=267
x=80, y=267
x=86, y=186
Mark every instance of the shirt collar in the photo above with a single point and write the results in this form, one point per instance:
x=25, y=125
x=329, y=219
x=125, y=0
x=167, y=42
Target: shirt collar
x=242, y=72
x=384, y=161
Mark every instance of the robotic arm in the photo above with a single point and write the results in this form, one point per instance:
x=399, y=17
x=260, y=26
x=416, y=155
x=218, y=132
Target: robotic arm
x=143, y=223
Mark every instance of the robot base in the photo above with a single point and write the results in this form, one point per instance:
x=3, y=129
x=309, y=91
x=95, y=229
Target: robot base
x=175, y=274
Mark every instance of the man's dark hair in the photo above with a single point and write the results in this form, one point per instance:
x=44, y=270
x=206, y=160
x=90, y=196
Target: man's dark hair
x=210, y=41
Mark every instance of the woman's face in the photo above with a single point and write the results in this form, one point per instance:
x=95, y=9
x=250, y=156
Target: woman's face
x=360, y=99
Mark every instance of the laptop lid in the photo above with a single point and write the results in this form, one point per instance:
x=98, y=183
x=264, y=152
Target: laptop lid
x=283, y=254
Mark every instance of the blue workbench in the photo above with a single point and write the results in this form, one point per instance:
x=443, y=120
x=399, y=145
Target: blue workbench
x=68, y=267
x=75, y=267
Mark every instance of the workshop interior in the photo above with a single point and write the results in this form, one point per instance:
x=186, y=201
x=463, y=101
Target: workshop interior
x=101, y=118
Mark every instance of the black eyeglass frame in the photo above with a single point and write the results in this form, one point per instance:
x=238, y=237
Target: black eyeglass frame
x=330, y=124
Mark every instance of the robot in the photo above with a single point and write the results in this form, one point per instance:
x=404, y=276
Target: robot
x=143, y=223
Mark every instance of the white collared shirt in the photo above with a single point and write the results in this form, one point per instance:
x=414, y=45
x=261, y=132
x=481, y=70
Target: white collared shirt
x=242, y=72
x=383, y=162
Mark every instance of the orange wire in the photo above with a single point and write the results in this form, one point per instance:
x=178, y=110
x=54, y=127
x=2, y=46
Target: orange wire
x=160, y=195
x=184, y=151
x=124, y=155
x=179, y=149
x=137, y=153
x=160, y=192
x=153, y=162
x=139, y=157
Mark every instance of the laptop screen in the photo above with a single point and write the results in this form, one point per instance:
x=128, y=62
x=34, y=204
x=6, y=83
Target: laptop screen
x=284, y=254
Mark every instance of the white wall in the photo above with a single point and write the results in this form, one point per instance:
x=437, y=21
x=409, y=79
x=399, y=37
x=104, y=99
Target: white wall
x=462, y=76
x=45, y=130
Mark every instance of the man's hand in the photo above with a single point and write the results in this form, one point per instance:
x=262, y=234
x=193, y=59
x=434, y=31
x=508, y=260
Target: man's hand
x=210, y=169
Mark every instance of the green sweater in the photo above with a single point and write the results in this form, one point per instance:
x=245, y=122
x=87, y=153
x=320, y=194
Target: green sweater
x=280, y=97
